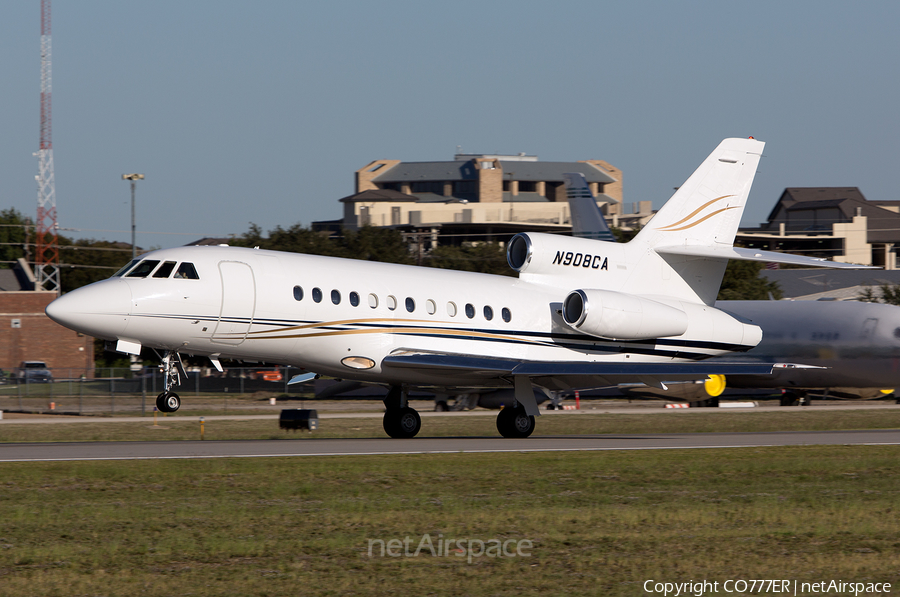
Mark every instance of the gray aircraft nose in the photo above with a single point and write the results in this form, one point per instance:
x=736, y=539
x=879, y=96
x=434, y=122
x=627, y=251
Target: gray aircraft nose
x=100, y=310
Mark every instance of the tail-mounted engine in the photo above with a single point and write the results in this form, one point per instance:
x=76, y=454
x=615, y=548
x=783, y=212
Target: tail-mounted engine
x=537, y=253
x=616, y=315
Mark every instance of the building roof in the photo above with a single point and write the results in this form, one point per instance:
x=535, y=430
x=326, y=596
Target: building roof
x=17, y=278
x=10, y=280
x=553, y=171
x=883, y=223
x=453, y=171
x=422, y=171
x=375, y=195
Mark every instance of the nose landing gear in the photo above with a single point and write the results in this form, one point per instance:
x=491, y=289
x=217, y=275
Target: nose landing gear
x=172, y=368
x=168, y=402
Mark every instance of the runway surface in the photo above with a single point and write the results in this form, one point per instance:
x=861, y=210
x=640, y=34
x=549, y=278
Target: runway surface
x=433, y=445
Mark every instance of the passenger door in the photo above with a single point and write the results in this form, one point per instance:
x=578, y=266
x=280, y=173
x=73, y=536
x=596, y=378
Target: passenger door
x=238, y=303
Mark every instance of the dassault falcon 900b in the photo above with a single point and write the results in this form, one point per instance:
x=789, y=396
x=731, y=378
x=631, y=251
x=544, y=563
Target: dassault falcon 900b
x=581, y=313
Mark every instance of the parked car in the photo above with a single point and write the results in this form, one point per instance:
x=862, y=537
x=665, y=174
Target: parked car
x=33, y=372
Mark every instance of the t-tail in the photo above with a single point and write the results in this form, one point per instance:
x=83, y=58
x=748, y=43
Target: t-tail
x=680, y=254
x=683, y=242
x=706, y=210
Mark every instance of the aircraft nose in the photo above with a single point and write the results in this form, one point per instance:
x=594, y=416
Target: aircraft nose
x=100, y=310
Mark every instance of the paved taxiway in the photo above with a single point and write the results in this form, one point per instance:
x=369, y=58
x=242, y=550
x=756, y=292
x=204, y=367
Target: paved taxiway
x=433, y=445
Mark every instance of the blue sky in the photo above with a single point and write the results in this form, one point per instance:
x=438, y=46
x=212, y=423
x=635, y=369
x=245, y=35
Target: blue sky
x=261, y=112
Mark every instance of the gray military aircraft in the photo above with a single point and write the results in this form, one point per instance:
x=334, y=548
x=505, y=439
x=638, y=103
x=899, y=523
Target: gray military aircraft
x=858, y=343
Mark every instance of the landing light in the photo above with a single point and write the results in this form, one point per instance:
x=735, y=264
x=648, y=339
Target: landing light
x=358, y=362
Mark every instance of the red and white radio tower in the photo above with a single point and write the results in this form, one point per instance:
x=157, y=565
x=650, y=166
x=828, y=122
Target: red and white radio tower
x=46, y=261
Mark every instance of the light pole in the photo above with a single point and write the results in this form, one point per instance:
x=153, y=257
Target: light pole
x=133, y=178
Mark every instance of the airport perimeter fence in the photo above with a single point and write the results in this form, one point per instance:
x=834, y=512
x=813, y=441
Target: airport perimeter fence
x=120, y=391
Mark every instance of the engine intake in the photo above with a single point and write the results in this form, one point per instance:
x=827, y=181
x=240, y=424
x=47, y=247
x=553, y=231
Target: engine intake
x=519, y=252
x=616, y=315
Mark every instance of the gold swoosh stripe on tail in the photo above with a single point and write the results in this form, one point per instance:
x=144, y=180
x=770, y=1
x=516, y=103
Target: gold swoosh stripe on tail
x=670, y=227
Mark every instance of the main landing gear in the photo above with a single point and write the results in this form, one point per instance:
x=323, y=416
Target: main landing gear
x=168, y=401
x=400, y=421
x=515, y=422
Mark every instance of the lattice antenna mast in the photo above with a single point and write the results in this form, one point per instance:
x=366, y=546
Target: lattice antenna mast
x=46, y=261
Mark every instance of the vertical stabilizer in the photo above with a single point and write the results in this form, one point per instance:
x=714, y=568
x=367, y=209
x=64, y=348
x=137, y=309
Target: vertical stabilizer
x=703, y=215
x=587, y=221
x=707, y=208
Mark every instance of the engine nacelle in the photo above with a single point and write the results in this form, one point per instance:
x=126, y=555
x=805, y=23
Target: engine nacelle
x=537, y=253
x=616, y=315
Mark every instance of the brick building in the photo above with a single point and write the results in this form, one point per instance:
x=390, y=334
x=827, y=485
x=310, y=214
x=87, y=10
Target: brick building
x=27, y=334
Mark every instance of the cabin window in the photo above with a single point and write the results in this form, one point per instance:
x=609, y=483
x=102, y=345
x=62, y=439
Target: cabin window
x=336, y=297
x=488, y=312
x=164, y=270
x=431, y=307
x=507, y=315
x=410, y=304
x=143, y=269
x=451, y=309
x=354, y=299
x=373, y=301
x=186, y=270
x=391, y=302
x=298, y=293
x=317, y=295
x=130, y=265
x=470, y=310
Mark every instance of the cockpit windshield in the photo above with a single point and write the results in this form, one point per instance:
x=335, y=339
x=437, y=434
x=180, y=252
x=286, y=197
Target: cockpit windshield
x=143, y=269
x=164, y=270
x=126, y=268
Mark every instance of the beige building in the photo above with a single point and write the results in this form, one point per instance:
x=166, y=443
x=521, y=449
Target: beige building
x=474, y=193
x=832, y=222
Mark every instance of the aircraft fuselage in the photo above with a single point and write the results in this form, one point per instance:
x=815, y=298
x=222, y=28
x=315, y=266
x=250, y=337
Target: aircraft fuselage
x=341, y=317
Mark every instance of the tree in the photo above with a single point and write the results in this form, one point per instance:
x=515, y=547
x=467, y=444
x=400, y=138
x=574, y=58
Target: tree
x=13, y=236
x=742, y=282
x=622, y=235
x=890, y=294
x=86, y=261
x=486, y=257
x=369, y=243
x=373, y=243
x=295, y=239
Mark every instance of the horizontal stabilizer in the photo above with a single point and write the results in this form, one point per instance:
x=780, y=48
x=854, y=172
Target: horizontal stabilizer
x=727, y=252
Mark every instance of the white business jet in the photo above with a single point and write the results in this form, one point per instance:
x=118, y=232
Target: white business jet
x=582, y=313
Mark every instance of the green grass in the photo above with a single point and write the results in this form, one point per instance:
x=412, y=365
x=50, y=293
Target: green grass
x=187, y=427
x=601, y=522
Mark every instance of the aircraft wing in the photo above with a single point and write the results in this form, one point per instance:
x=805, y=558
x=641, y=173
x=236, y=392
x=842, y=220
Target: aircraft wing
x=559, y=375
x=728, y=252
